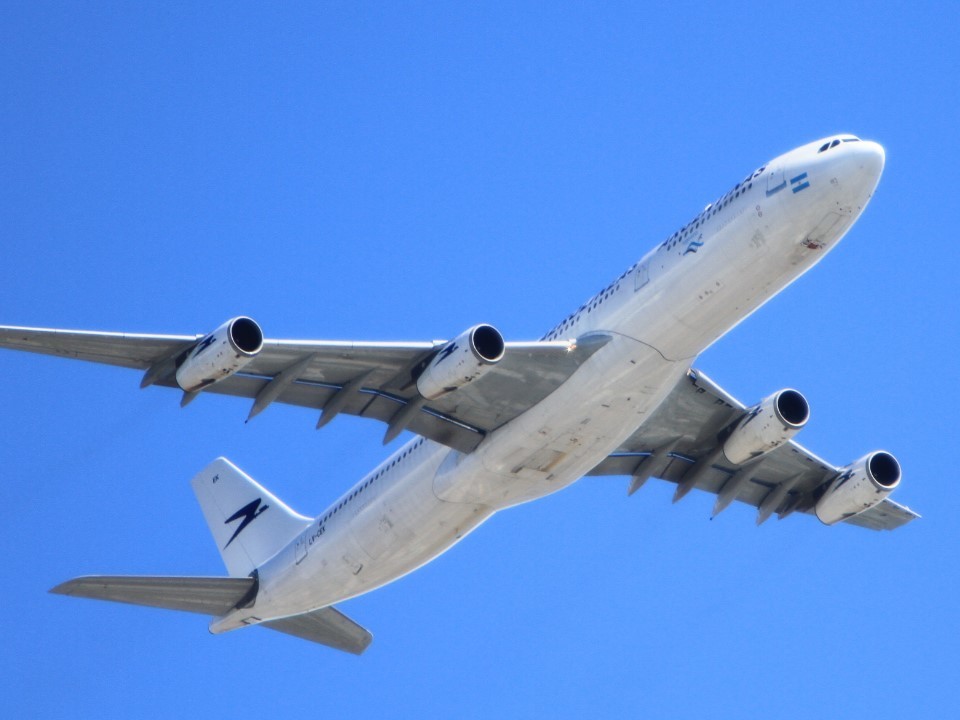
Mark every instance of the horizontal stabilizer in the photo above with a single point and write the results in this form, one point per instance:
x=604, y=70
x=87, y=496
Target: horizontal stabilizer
x=217, y=596
x=205, y=595
x=327, y=626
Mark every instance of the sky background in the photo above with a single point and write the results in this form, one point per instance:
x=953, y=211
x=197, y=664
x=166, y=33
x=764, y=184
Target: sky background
x=379, y=171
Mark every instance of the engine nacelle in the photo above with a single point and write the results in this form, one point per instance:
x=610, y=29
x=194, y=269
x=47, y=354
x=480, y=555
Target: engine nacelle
x=461, y=361
x=220, y=354
x=859, y=487
x=766, y=426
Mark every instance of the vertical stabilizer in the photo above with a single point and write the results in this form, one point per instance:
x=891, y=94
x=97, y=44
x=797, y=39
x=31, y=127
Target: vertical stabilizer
x=249, y=523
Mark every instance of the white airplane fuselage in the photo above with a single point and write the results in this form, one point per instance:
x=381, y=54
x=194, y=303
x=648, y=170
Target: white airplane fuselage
x=661, y=313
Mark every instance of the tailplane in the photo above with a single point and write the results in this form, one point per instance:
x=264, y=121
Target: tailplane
x=250, y=525
x=204, y=595
x=248, y=522
x=218, y=596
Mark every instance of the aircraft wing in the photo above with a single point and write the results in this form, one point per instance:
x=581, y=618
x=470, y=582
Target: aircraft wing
x=367, y=379
x=679, y=443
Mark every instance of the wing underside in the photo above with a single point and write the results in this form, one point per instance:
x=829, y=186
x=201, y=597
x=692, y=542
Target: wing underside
x=371, y=380
x=680, y=443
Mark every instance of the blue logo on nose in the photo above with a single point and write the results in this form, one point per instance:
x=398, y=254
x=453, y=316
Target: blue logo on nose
x=799, y=183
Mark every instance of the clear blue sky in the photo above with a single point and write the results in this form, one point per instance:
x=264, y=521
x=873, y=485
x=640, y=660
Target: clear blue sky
x=376, y=171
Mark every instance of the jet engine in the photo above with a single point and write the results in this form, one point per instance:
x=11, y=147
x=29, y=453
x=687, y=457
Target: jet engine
x=766, y=426
x=220, y=354
x=461, y=361
x=859, y=487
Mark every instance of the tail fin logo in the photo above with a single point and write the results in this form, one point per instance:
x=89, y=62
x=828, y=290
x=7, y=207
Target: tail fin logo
x=248, y=513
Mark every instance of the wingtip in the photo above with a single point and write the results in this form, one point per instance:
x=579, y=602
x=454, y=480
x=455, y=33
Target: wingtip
x=64, y=588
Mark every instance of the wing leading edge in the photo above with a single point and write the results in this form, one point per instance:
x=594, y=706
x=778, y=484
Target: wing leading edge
x=680, y=443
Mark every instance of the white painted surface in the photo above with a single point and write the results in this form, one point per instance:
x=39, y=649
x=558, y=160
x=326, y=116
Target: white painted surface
x=674, y=303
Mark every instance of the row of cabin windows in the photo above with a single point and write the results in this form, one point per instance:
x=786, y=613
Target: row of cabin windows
x=670, y=242
x=711, y=210
x=599, y=299
x=588, y=307
x=369, y=482
x=595, y=302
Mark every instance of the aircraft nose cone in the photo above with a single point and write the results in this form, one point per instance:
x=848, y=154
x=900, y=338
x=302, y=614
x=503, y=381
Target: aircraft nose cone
x=872, y=158
x=860, y=166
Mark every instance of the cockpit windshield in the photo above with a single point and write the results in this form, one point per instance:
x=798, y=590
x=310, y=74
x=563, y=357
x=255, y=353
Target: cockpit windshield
x=833, y=143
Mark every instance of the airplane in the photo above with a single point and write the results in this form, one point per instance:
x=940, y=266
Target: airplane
x=610, y=390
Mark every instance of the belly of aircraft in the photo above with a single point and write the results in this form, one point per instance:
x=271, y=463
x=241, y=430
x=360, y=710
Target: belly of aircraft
x=568, y=433
x=451, y=494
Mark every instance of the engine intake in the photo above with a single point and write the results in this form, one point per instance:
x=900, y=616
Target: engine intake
x=220, y=354
x=766, y=426
x=859, y=487
x=461, y=361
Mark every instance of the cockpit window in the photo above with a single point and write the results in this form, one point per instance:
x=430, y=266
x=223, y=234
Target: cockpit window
x=832, y=144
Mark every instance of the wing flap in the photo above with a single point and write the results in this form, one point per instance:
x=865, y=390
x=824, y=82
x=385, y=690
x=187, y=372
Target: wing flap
x=337, y=362
x=327, y=626
x=205, y=595
x=367, y=402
